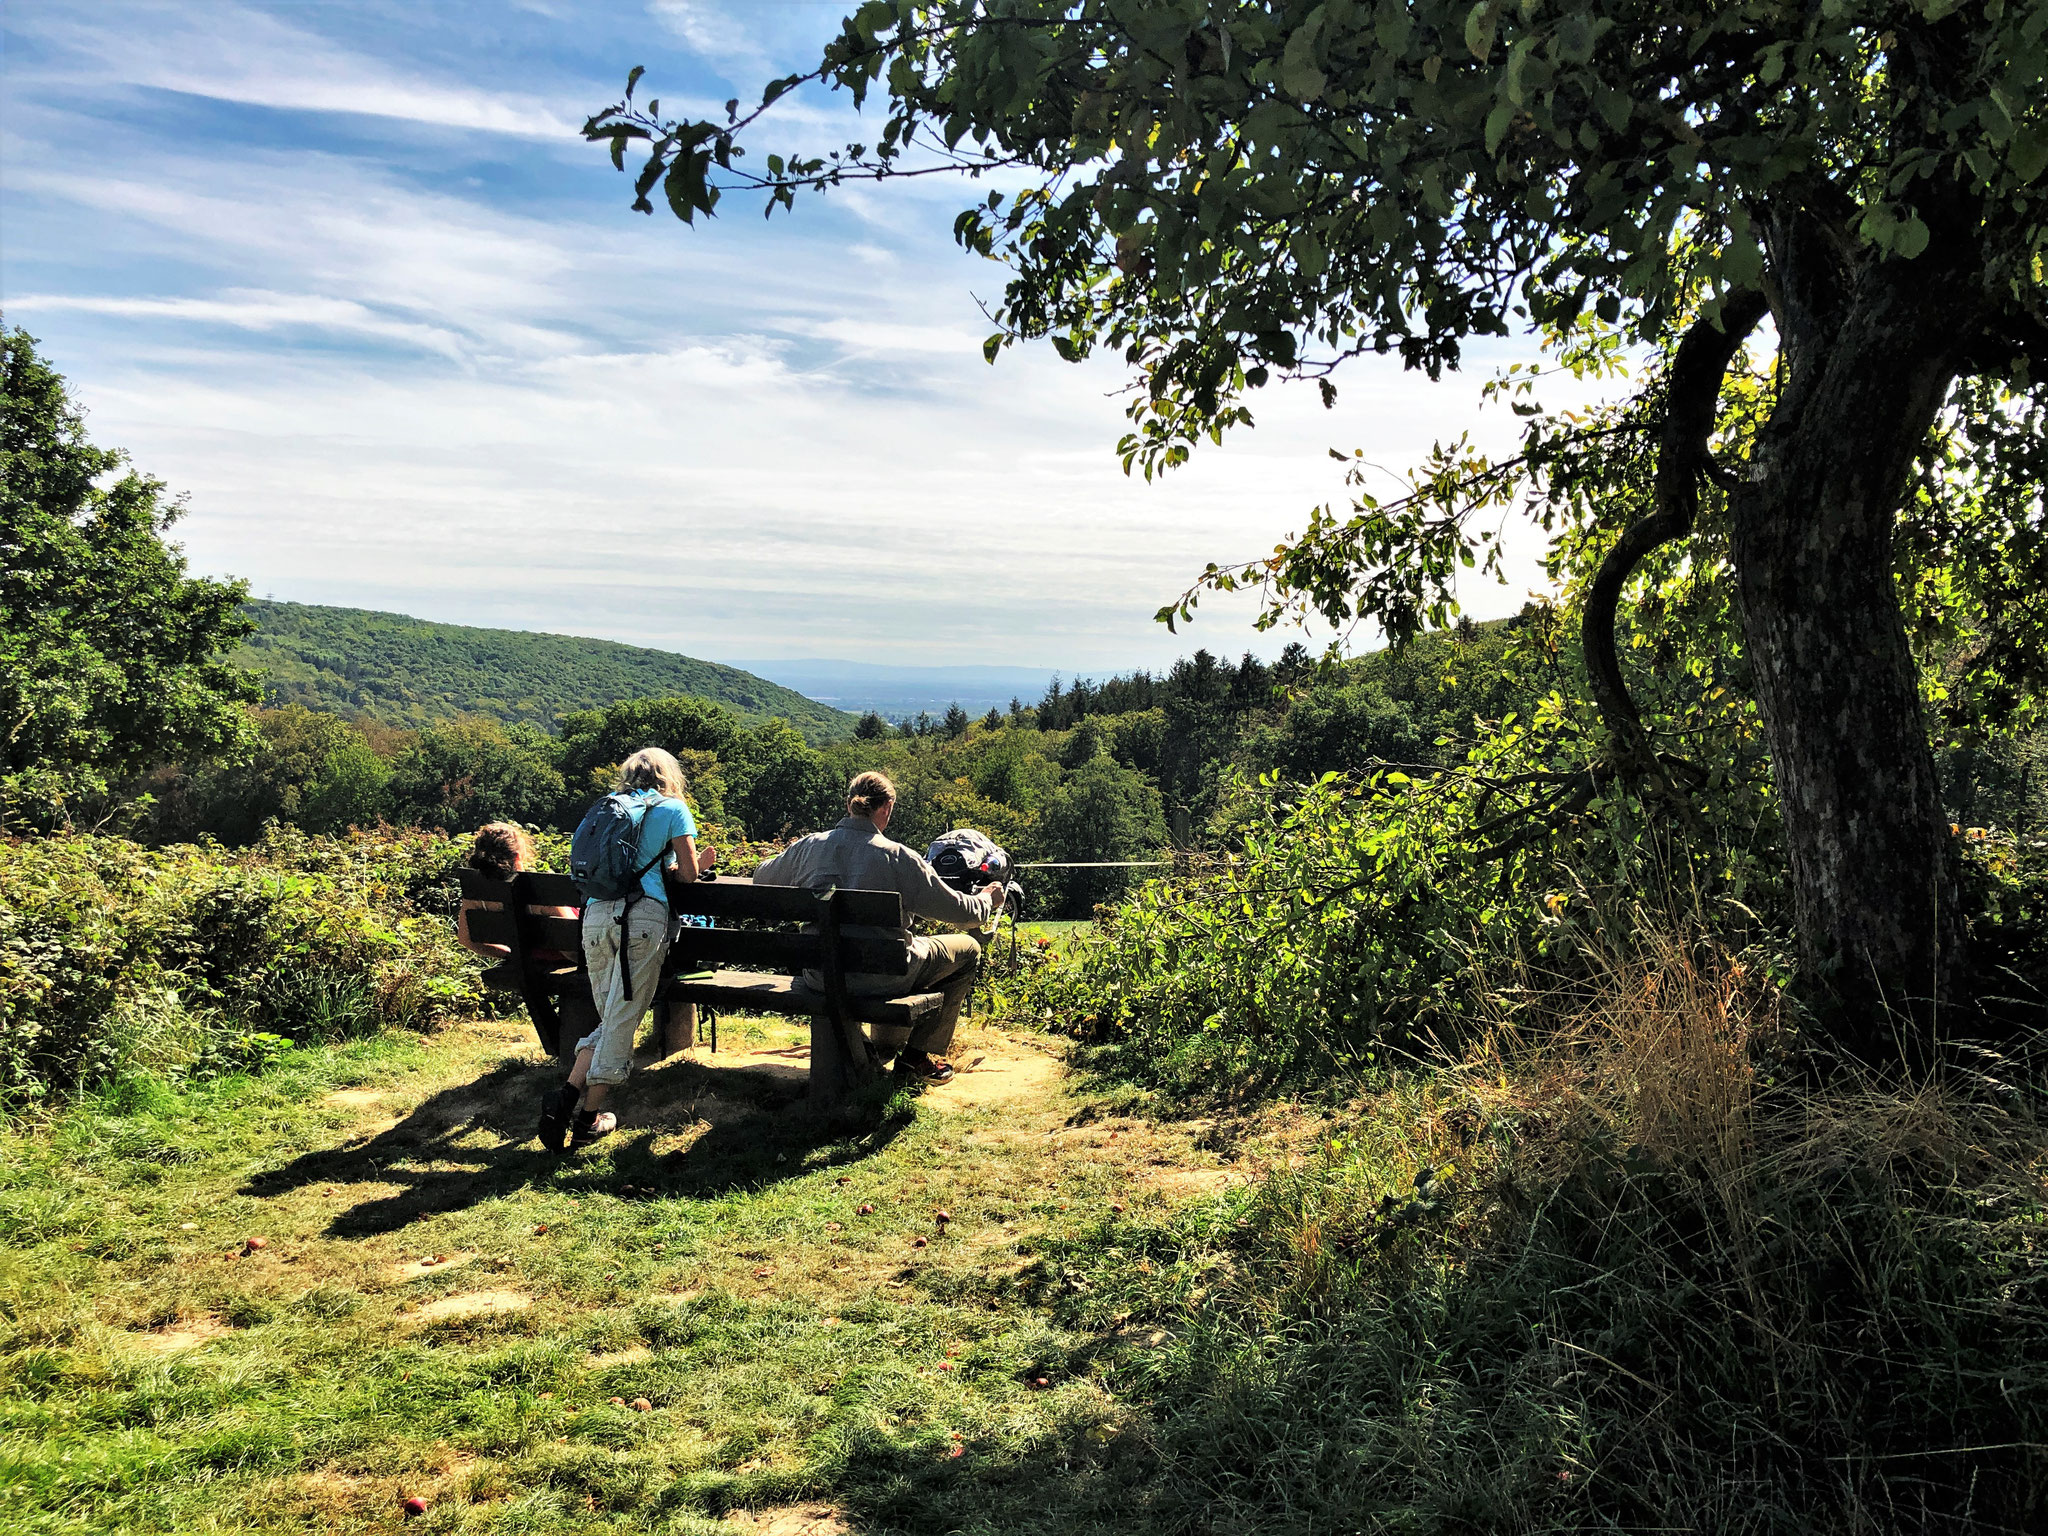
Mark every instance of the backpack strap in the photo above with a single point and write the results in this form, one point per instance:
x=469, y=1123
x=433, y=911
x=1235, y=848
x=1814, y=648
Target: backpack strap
x=633, y=894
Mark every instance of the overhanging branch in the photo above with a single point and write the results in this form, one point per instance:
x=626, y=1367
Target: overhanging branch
x=1692, y=395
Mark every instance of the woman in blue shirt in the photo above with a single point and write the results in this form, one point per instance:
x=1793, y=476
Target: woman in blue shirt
x=574, y=1113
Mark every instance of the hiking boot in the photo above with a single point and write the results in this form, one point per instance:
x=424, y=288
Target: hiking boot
x=556, y=1111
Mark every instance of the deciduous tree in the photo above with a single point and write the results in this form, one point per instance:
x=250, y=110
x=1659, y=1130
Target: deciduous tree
x=1223, y=190
x=111, y=657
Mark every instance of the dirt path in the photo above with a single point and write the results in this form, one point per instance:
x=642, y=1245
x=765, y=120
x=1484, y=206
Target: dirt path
x=385, y=1286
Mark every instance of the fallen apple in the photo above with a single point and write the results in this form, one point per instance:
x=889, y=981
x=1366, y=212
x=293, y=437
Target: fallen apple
x=942, y=1217
x=413, y=1505
x=917, y=1243
x=642, y=1405
x=867, y=1210
x=251, y=1244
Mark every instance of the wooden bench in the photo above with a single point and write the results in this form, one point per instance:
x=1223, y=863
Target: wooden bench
x=754, y=967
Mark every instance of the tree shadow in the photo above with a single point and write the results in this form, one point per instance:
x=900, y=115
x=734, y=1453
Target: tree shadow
x=475, y=1142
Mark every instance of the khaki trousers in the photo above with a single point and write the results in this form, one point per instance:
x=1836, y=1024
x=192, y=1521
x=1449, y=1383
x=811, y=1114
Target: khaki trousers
x=611, y=1043
x=946, y=963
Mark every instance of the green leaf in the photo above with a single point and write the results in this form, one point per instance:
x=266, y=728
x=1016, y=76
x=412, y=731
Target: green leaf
x=992, y=346
x=1299, y=76
x=633, y=79
x=1498, y=121
x=1480, y=25
x=2029, y=154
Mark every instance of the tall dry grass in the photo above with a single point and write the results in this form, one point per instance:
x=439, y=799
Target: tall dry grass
x=1621, y=1264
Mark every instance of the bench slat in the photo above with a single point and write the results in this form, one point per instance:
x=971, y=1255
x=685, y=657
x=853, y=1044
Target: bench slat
x=557, y=933
x=780, y=994
x=736, y=896
x=730, y=896
x=698, y=948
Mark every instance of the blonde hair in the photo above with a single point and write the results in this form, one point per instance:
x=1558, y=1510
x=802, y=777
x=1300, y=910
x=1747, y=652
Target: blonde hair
x=868, y=793
x=652, y=768
x=500, y=850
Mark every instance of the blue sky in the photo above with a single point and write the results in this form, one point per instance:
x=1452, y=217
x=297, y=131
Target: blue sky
x=345, y=276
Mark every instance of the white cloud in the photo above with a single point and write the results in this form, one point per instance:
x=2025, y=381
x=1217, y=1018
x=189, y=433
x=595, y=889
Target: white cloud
x=387, y=385
x=231, y=53
x=256, y=311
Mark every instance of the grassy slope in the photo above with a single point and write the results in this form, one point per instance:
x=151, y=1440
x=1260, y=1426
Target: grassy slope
x=711, y=1258
x=409, y=672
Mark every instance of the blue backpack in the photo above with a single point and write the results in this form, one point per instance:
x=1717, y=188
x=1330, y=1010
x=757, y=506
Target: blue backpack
x=604, y=855
x=604, y=861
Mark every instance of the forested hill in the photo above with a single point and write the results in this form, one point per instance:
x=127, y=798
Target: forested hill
x=408, y=672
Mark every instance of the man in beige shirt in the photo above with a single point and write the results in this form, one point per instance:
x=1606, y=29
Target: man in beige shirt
x=855, y=856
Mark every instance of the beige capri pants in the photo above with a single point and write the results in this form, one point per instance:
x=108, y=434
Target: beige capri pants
x=618, y=1017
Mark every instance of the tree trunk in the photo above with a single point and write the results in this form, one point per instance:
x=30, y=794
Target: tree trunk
x=1873, y=863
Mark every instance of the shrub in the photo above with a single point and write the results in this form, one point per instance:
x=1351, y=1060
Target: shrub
x=116, y=959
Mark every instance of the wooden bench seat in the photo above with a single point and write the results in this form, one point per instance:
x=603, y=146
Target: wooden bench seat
x=756, y=967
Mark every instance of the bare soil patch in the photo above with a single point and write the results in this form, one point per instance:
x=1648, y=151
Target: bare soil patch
x=412, y=1269
x=470, y=1304
x=990, y=1079
x=357, y=1098
x=790, y=1520
x=186, y=1333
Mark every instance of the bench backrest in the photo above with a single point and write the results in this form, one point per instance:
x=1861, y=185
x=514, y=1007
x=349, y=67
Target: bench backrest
x=728, y=900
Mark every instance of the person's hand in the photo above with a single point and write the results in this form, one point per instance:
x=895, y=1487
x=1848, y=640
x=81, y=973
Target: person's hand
x=706, y=859
x=994, y=892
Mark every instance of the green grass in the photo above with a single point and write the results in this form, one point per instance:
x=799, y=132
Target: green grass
x=711, y=1259
x=1612, y=1279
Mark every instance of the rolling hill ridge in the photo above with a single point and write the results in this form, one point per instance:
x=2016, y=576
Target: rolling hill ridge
x=411, y=672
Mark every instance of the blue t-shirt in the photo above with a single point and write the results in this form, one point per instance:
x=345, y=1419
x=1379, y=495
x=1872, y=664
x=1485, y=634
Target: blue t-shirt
x=661, y=823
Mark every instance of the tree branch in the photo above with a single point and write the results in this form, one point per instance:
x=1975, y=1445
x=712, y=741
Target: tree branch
x=1692, y=395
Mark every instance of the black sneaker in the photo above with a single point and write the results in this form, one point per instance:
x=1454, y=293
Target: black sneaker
x=926, y=1069
x=556, y=1111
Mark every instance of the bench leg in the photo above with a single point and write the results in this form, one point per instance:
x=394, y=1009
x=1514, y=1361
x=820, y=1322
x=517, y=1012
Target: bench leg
x=834, y=1071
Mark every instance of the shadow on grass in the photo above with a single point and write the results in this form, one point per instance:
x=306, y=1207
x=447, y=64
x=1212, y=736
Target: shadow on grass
x=475, y=1142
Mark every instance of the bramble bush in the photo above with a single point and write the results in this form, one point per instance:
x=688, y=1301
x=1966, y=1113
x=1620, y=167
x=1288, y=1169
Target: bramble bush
x=1357, y=918
x=116, y=959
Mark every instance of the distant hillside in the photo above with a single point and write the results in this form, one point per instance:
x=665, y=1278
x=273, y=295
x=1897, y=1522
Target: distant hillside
x=408, y=672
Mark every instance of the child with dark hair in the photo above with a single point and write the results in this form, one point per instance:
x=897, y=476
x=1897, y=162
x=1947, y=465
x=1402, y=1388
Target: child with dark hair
x=501, y=850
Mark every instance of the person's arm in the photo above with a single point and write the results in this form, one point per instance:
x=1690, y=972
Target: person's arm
x=488, y=951
x=689, y=863
x=782, y=869
x=926, y=895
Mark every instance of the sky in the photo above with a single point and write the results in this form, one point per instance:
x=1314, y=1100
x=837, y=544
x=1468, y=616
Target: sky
x=345, y=276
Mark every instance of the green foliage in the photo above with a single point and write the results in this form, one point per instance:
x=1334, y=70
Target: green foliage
x=457, y=776
x=1225, y=191
x=110, y=655
x=411, y=673
x=1100, y=811
x=310, y=770
x=118, y=961
x=780, y=786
